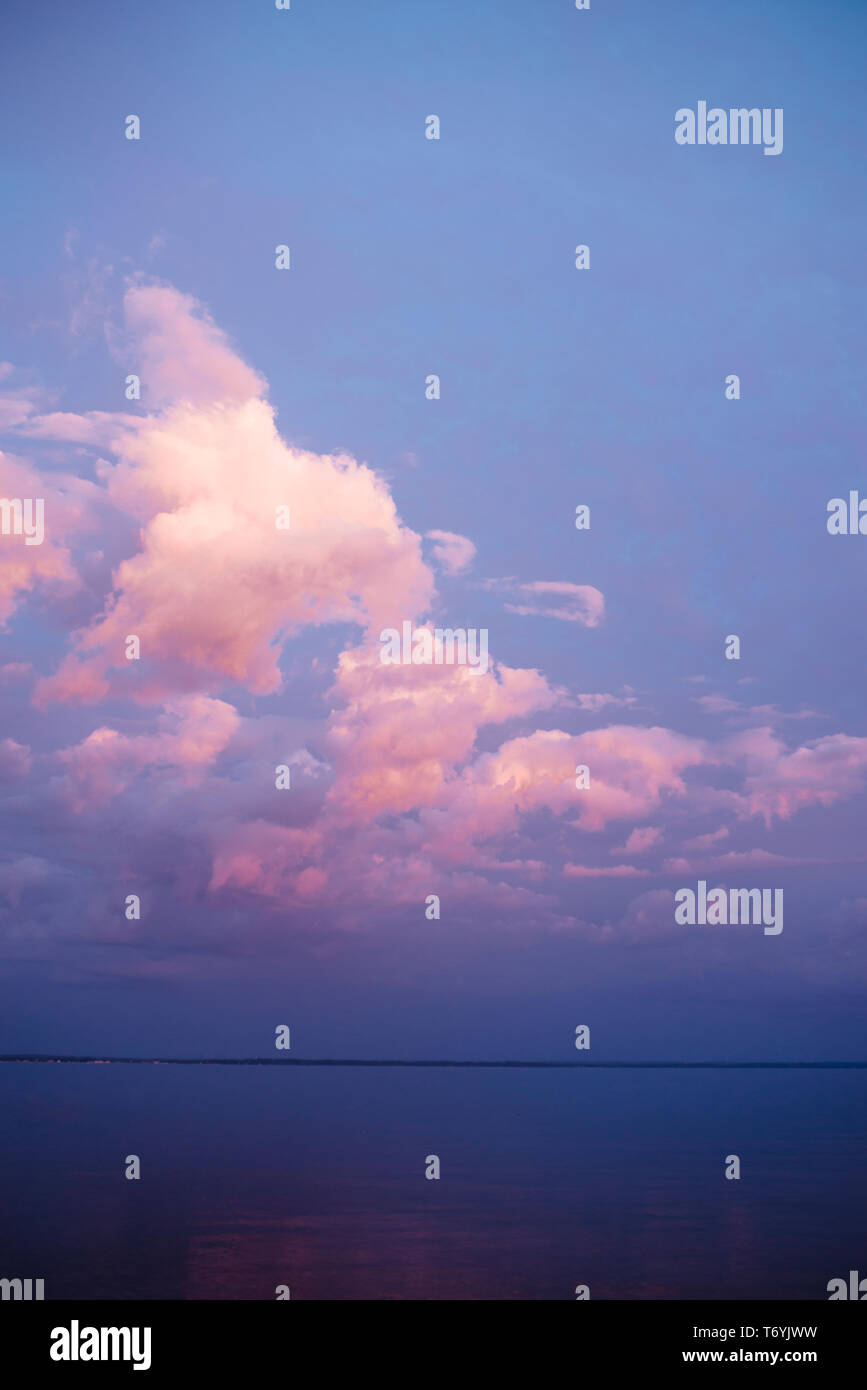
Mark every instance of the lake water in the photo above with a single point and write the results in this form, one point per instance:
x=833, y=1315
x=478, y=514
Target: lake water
x=254, y=1177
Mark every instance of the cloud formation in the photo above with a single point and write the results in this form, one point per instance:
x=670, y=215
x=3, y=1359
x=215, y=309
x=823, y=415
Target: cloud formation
x=257, y=577
x=542, y=598
x=453, y=552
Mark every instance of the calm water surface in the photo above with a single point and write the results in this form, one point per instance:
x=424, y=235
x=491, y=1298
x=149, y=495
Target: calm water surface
x=254, y=1177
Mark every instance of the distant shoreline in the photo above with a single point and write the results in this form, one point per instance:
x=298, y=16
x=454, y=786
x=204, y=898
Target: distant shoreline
x=392, y=1062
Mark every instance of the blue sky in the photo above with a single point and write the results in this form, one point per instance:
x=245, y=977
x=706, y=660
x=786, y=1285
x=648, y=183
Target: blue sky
x=559, y=387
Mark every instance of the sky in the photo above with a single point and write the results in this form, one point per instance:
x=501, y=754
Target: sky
x=305, y=388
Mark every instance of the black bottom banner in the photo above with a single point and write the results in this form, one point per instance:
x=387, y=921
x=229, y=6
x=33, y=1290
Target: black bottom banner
x=167, y=1340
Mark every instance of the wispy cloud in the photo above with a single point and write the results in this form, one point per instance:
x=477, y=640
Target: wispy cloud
x=542, y=598
x=453, y=552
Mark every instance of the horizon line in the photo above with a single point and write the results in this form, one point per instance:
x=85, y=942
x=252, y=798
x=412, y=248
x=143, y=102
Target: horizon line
x=417, y=1062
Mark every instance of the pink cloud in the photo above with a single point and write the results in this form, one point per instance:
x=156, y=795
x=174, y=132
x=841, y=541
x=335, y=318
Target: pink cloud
x=24, y=567
x=641, y=840
x=706, y=841
x=98, y=428
x=17, y=406
x=633, y=769
x=217, y=584
x=270, y=860
x=779, y=783
x=181, y=354
x=400, y=731
x=192, y=732
x=455, y=553
x=417, y=794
